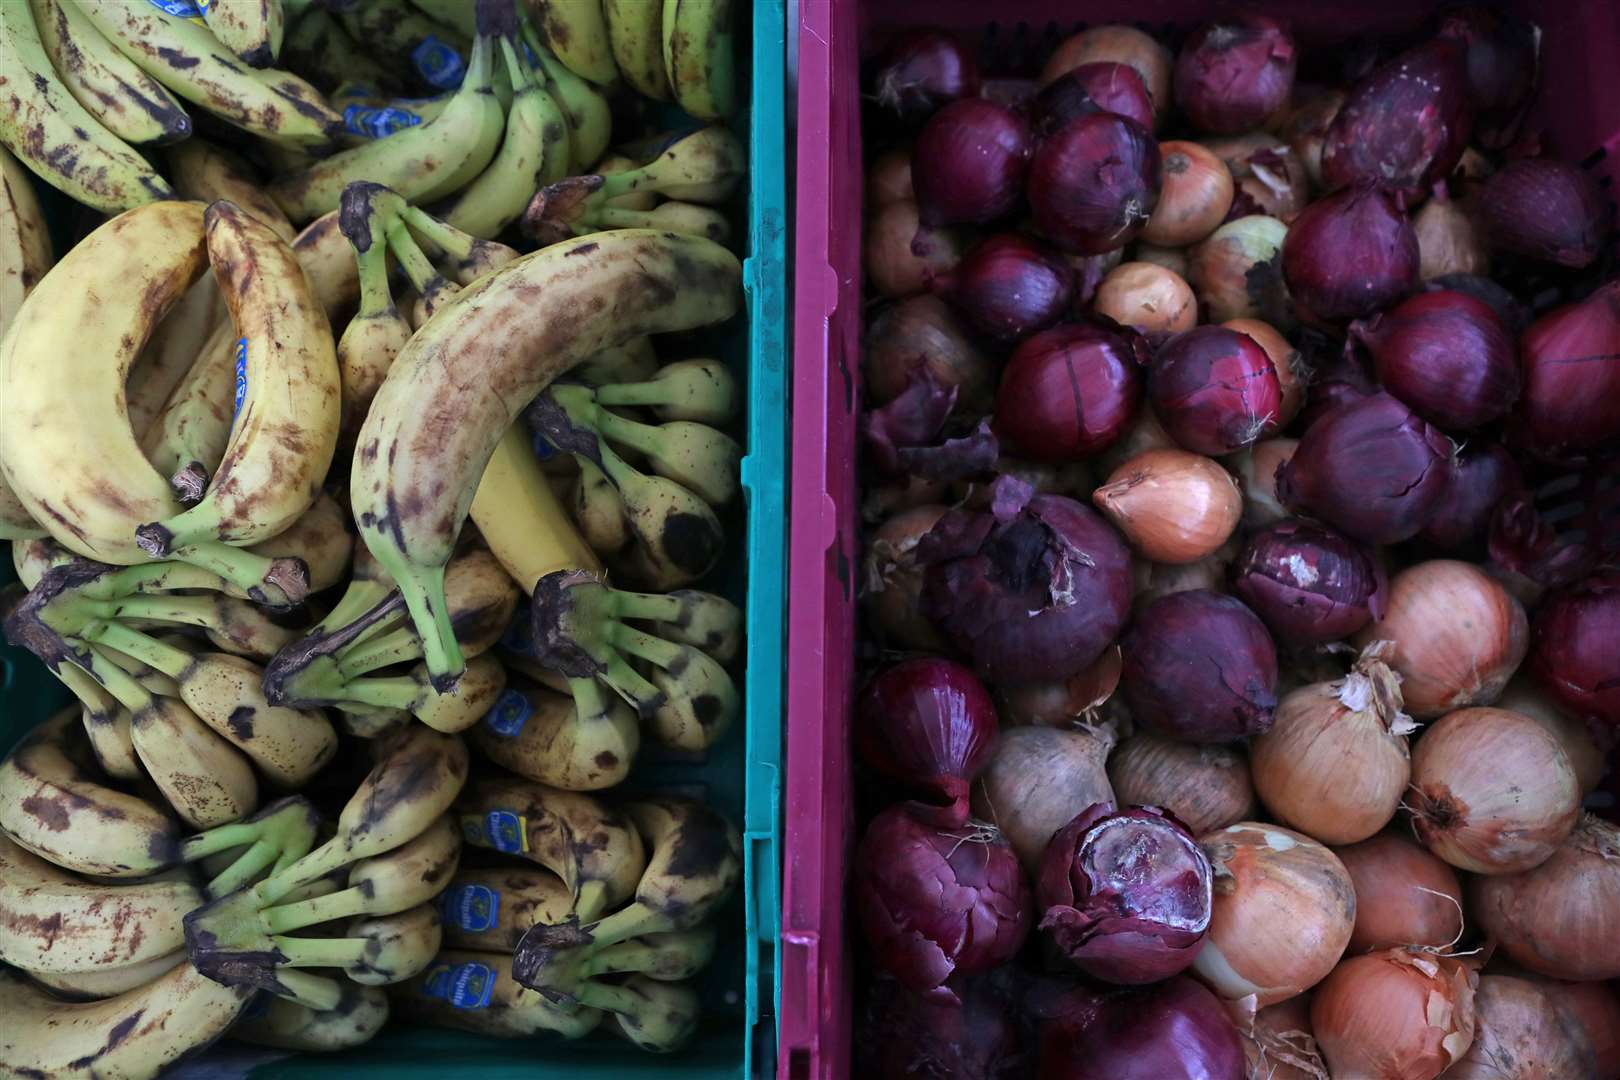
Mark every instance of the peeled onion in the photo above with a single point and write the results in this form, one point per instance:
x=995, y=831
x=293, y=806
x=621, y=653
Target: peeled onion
x=1520, y=1033
x=1118, y=44
x=1039, y=779
x=1398, y=1012
x=1174, y=506
x=1147, y=297
x=1196, y=194
x=1405, y=897
x=893, y=579
x=902, y=258
x=1237, y=272
x=1207, y=787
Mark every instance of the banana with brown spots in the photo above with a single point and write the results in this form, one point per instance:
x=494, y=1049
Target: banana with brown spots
x=361, y=1012
x=208, y=173
x=252, y=29
x=578, y=33
x=699, y=57
x=398, y=946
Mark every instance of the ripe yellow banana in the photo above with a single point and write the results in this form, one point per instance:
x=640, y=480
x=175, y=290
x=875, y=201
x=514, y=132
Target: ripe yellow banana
x=252, y=29
x=540, y=734
x=475, y=991
x=106, y=723
x=25, y=257
x=186, y=440
x=700, y=56
x=659, y=1017
x=599, y=510
x=276, y=1022
x=106, y=982
x=490, y=909
x=398, y=946
x=321, y=538
x=207, y=173
x=590, y=118
x=377, y=331
x=520, y=517
x=456, y=709
x=577, y=32
x=328, y=263
x=636, y=32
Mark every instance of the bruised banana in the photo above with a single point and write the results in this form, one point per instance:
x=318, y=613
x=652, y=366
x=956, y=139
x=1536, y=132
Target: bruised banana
x=635, y=31
x=275, y=1022
x=699, y=56
x=328, y=263
x=577, y=32
x=491, y=909
x=186, y=440
x=590, y=118
x=252, y=29
x=378, y=331
x=599, y=511
x=543, y=735
x=208, y=173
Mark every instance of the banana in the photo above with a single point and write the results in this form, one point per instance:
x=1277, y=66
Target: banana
x=369, y=114
x=632, y=361
x=32, y=558
x=415, y=468
x=106, y=982
x=373, y=723
x=590, y=118
x=52, y=921
x=135, y=1034
x=280, y=1024
x=433, y=288
x=394, y=28
x=238, y=854
x=320, y=538
x=673, y=216
x=378, y=331
x=490, y=909
x=186, y=440
x=448, y=711
x=25, y=257
x=474, y=991
x=703, y=391
x=287, y=418
x=577, y=33
x=128, y=102
x=618, y=163
x=328, y=263
x=466, y=257
x=398, y=946
x=694, y=455
x=599, y=511
x=252, y=29
x=106, y=723
x=543, y=735
x=520, y=517
x=636, y=33
x=174, y=350
x=594, y=849
x=193, y=63
x=700, y=57
x=230, y=624
x=208, y=173
x=319, y=50
x=659, y=1017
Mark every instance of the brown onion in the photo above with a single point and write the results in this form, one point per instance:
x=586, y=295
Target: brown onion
x=1289, y=362
x=923, y=331
x=1207, y=787
x=1146, y=433
x=1405, y=897
x=901, y=257
x=1257, y=468
x=1448, y=240
x=893, y=580
x=888, y=179
x=1148, y=297
x=1459, y=636
x=1174, y=260
x=1562, y=918
x=1270, y=178
x=1304, y=126
x=1523, y=696
x=1067, y=701
x=880, y=501
x=1396, y=1013
x=1279, y=1044
x=1283, y=911
x=1596, y=1007
x=1237, y=272
x=1039, y=780
x=1153, y=580
x=1520, y=1033
x=1174, y=506
x=1120, y=44
x=1195, y=196
x=1492, y=791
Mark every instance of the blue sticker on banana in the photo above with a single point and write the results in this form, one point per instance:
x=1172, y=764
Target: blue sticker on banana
x=512, y=710
x=439, y=63
x=241, y=376
x=466, y=986
x=181, y=9
x=377, y=123
x=474, y=908
x=498, y=829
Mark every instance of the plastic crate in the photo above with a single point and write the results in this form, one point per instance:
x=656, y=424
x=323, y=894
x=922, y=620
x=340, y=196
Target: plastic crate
x=1578, y=110
x=742, y=774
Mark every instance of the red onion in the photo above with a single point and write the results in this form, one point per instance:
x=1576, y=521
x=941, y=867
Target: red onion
x=1091, y=88
x=1030, y=595
x=1117, y=43
x=1309, y=584
x=1235, y=73
x=924, y=69
x=1404, y=126
x=1483, y=476
x=927, y=724
x=1071, y=391
x=1125, y=896
x=965, y=1032
x=1094, y=183
x=1573, y=651
x=914, y=418
x=1371, y=469
x=936, y=899
x=1175, y=1029
x=1546, y=209
x=970, y=162
x=1200, y=666
x=1349, y=254
x=1446, y=355
x=1501, y=65
x=1571, y=398
x=922, y=331
x=1514, y=315
x=1215, y=390
x=1009, y=287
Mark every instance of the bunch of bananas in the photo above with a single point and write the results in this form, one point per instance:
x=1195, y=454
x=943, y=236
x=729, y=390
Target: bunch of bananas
x=393, y=287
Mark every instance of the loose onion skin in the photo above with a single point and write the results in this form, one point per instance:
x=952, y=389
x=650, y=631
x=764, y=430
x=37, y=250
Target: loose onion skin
x=1448, y=240
x=1207, y=787
x=1194, y=199
x=1009, y=287
x=1172, y=505
x=1492, y=791
x=1093, y=184
x=969, y=163
x=1273, y=885
x=922, y=331
x=1215, y=390
x=1520, y=1033
x=1235, y=73
x=1545, y=209
x=1574, y=655
x=1396, y=1013
x=1089, y=88
x=902, y=258
x=1039, y=779
x=1562, y=918
x=1390, y=874
x=893, y=581
x=928, y=725
x=1571, y=399
x=1257, y=468
x=1071, y=391
x=1237, y=272
x=1147, y=297
x=1349, y=254
x=1279, y=1044
x=1304, y=127
x=924, y=69
x=1114, y=43
x=1200, y=666
x=1269, y=177
x=1446, y=355
x=1458, y=636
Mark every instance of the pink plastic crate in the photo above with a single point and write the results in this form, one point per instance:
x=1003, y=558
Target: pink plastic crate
x=1579, y=112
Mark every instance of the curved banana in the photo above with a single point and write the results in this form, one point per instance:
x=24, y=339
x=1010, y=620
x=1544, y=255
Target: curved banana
x=317, y=48
x=378, y=331
x=106, y=724
x=320, y=538
x=520, y=517
x=106, y=982
x=659, y=1017
x=25, y=257
x=451, y=710
x=632, y=361
x=699, y=457
x=397, y=947
x=619, y=163
x=590, y=118
x=466, y=257
x=577, y=32
x=129, y=102
x=700, y=56
x=416, y=469
x=208, y=173
x=540, y=734
x=186, y=440
x=475, y=991
x=599, y=510
x=328, y=263
x=490, y=909
x=704, y=391
x=174, y=350
x=135, y=1034
x=636, y=33
x=252, y=29
x=393, y=28
x=280, y=1024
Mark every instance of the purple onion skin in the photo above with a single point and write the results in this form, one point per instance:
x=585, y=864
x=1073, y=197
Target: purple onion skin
x=1575, y=650
x=1125, y=896
x=1570, y=404
x=1029, y=594
x=1483, y=476
x=1235, y=73
x=1093, y=184
x=1215, y=390
x=1200, y=666
x=923, y=70
x=931, y=903
x=1405, y=126
x=1545, y=209
x=1327, y=396
x=1092, y=88
x=1350, y=254
x=1514, y=315
x=1009, y=287
x=929, y=725
x=1071, y=391
x=964, y=1031
x=1176, y=1029
x=1501, y=69
x=1307, y=583
x=969, y=163
x=1447, y=356
x=1371, y=469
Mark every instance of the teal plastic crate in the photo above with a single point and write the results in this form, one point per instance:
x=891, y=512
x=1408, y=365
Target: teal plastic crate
x=741, y=776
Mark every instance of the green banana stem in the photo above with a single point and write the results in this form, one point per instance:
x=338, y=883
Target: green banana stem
x=198, y=611
x=143, y=647
x=279, y=833
x=318, y=992
x=423, y=275
x=360, y=597
x=244, y=869
x=372, y=266
x=674, y=954
x=442, y=235
x=219, y=838
x=286, y=918
x=646, y=646
x=320, y=952
x=153, y=577
x=318, y=863
x=517, y=68
x=637, y=436
x=117, y=682
x=423, y=590
x=390, y=692
x=395, y=647
x=278, y=582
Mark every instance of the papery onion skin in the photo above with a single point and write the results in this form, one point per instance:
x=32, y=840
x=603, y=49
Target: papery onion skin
x=1172, y=1029
x=1215, y=390
x=1257, y=468
x=1009, y=287
x=1561, y=918
x=1350, y=254
x=1307, y=583
x=1596, y=1007
x=1116, y=43
x=1196, y=194
x=1174, y=506
x=969, y=163
x=1527, y=698
x=1063, y=703
x=1089, y=88
x=1038, y=780
x=1093, y=184
x=1269, y=177
x=1546, y=209
x=1447, y=356
x=1235, y=73
x=929, y=725
x=967, y=1030
x=1390, y=874
x=1448, y=240
x=1237, y=272
x=1574, y=656
x=1147, y=297
x=923, y=331
x=1521, y=1033
x=1207, y=787
x=1279, y=1044
x=1304, y=126
x=1200, y=666
x=924, y=69
x=1287, y=360
x=1571, y=398
x=1071, y=391
x=1484, y=475
x=1492, y=791
x=1273, y=885
x=1397, y=1013
x=893, y=580
x=900, y=257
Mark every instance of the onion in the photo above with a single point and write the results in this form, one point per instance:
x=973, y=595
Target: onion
x=1338, y=376
x=922, y=331
x=1147, y=297
x=1585, y=755
x=1520, y=1033
x=928, y=725
x=924, y=69
x=1446, y=355
x=1038, y=780
x=1458, y=636
x=1115, y=43
x=1124, y=896
x=1069, y=392
x=893, y=579
x=965, y=1030
x=1404, y=126
x=888, y=179
x=1492, y=791
x=970, y=162
x=1035, y=594
x=1155, y=579
x=1234, y=74
x=1215, y=390
x=934, y=899
x=1399, y=1012
x=900, y=257
x=1279, y=1044
x=1173, y=1029
x=1172, y=505
x=1501, y=67
x=1206, y=787
x=1090, y=271
x=1145, y=434
x=1174, y=260
x=1448, y=241
x=1090, y=88
x=1273, y=888
x=1404, y=895
x=1307, y=583
x=1371, y=469
x=1200, y=666
x=1304, y=127
x=1257, y=468
x=1514, y=315
x=1545, y=209
x=1093, y=184
x=1069, y=701
x=881, y=501
x=1482, y=477
x=1237, y=272
x=1287, y=360
x=1571, y=398
x=1269, y=177
x=1596, y=1008
x=1196, y=194
x=1349, y=254
x=1009, y=287
x=1573, y=658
